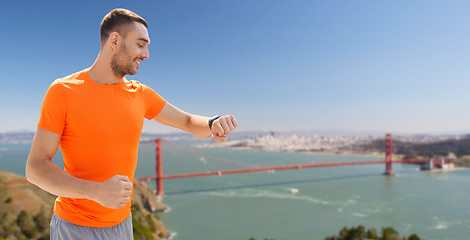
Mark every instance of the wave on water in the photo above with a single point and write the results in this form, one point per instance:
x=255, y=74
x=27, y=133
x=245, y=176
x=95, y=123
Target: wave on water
x=252, y=193
x=408, y=227
x=203, y=160
x=374, y=210
x=172, y=235
x=440, y=176
x=361, y=215
x=454, y=178
x=379, y=208
x=167, y=209
x=443, y=225
x=351, y=201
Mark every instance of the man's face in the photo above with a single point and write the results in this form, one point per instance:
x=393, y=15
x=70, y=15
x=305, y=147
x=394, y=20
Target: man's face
x=132, y=51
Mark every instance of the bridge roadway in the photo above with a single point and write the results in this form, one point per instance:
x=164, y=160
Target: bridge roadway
x=275, y=168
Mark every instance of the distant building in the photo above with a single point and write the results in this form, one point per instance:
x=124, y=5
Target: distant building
x=443, y=163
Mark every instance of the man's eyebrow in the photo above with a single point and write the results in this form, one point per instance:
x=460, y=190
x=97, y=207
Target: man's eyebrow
x=144, y=39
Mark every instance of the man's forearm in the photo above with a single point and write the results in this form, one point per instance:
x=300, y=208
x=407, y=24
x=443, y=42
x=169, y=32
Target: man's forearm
x=199, y=126
x=195, y=124
x=53, y=179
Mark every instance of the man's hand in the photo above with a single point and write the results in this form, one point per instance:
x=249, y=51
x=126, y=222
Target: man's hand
x=223, y=126
x=114, y=192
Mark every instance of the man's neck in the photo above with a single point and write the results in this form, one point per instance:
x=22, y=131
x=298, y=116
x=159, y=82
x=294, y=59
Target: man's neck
x=102, y=73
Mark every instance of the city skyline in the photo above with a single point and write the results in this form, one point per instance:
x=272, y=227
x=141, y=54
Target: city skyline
x=358, y=66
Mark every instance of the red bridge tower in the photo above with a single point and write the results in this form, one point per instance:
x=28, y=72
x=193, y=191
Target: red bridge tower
x=388, y=154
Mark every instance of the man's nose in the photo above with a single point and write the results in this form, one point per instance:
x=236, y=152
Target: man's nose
x=146, y=53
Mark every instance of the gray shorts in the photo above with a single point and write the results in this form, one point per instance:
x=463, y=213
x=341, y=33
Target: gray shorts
x=64, y=230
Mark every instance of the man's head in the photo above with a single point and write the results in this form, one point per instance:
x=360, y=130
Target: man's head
x=121, y=21
x=125, y=38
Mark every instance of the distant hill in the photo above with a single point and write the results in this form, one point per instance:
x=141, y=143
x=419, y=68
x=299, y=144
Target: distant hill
x=17, y=137
x=26, y=210
x=26, y=136
x=460, y=147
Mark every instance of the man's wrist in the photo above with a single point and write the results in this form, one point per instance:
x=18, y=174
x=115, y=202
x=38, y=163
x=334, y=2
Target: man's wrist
x=90, y=190
x=211, y=121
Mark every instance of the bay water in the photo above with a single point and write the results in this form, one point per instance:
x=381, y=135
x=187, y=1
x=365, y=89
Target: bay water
x=266, y=204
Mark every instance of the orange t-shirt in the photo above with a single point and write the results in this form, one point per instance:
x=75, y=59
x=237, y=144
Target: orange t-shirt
x=100, y=127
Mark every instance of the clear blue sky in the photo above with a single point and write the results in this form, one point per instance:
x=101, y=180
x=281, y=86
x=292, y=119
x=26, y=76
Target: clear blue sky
x=399, y=66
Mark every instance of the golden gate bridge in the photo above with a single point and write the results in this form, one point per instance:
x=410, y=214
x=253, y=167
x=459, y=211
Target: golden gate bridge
x=159, y=177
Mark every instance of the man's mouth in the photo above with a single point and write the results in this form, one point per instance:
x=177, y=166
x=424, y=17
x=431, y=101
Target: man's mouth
x=138, y=61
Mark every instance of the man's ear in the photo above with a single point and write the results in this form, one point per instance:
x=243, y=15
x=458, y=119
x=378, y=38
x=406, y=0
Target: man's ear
x=114, y=39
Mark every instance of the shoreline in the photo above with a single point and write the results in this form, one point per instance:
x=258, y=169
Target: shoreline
x=450, y=169
x=376, y=155
x=380, y=155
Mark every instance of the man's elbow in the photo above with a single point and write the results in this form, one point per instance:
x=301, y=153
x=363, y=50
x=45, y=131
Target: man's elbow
x=31, y=171
x=27, y=172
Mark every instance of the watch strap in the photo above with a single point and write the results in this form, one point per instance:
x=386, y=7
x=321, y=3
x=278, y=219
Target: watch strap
x=212, y=120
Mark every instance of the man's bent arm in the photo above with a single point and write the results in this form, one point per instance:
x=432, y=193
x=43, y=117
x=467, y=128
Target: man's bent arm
x=114, y=192
x=41, y=171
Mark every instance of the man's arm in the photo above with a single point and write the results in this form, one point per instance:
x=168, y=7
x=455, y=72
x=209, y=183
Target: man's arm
x=195, y=124
x=41, y=171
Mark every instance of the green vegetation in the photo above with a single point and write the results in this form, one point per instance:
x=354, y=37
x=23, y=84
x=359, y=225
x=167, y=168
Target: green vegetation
x=42, y=220
x=144, y=225
x=25, y=226
x=460, y=148
x=360, y=233
x=25, y=210
x=462, y=161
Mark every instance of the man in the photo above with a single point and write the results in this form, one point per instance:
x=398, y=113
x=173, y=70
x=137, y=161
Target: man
x=96, y=116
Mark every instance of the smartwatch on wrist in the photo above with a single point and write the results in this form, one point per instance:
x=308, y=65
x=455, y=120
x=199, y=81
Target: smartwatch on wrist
x=212, y=121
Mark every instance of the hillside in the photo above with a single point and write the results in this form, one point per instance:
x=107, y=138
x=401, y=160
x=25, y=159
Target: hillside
x=460, y=147
x=26, y=210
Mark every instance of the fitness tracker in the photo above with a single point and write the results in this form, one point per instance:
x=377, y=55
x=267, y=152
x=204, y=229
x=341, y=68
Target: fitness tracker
x=212, y=120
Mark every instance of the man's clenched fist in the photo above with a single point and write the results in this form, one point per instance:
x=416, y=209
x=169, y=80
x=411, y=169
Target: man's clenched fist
x=114, y=192
x=223, y=126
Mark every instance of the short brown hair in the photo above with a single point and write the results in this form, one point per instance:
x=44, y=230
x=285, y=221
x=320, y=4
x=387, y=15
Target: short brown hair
x=115, y=20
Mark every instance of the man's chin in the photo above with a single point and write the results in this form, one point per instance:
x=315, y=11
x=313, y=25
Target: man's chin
x=132, y=73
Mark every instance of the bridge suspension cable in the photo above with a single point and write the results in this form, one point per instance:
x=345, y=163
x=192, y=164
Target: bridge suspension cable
x=209, y=156
x=146, y=145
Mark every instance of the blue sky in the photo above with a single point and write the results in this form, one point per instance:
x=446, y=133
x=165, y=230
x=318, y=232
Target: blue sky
x=398, y=66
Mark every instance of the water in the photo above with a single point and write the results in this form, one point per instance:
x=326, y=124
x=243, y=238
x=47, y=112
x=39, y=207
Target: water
x=260, y=205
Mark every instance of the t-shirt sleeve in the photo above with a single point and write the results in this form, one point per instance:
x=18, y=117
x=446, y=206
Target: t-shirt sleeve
x=53, y=109
x=154, y=103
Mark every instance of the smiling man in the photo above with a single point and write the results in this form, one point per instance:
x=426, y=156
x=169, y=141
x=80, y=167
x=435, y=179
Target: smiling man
x=96, y=117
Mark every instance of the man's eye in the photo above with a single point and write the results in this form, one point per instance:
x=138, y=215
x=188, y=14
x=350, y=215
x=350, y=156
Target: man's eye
x=141, y=46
